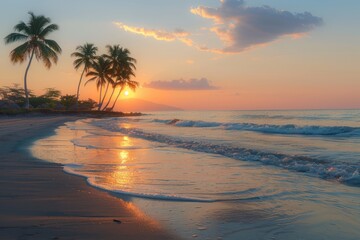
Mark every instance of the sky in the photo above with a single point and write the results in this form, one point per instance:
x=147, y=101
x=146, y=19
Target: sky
x=206, y=54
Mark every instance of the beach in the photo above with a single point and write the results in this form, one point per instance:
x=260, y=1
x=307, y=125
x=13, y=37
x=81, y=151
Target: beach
x=191, y=175
x=39, y=201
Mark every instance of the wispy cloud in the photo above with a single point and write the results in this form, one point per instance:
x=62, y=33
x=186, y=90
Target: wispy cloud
x=241, y=27
x=182, y=85
x=162, y=35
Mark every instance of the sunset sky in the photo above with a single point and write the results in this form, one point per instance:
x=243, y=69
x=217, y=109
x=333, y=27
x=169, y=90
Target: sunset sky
x=208, y=54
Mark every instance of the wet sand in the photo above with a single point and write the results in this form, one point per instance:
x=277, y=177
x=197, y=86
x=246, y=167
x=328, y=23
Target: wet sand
x=39, y=201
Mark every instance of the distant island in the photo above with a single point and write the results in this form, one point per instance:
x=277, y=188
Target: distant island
x=140, y=105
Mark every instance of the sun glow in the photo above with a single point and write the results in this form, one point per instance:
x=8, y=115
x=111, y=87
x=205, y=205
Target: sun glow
x=126, y=93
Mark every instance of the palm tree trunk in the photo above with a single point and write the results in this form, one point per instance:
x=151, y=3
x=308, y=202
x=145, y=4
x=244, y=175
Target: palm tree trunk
x=116, y=99
x=100, y=98
x=107, y=104
x=103, y=99
x=78, y=90
x=27, y=102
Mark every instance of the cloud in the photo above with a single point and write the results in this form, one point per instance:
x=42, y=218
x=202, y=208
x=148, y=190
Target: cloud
x=162, y=35
x=191, y=84
x=238, y=26
x=241, y=27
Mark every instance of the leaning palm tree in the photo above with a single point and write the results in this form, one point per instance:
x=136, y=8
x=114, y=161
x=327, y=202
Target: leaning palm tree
x=123, y=83
x=101, y=73
x=33, y=35
x=111, y=82
x=123, y=67
x=85, y=56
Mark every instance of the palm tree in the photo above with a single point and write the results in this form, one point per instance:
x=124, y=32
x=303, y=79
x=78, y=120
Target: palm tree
x=125, y=82
x=33, y=35
x=123, y=67
x=109, y=81
x=85, y=56
x=100, y=72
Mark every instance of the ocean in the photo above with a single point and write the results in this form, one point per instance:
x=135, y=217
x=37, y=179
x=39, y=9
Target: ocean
x=224, y=174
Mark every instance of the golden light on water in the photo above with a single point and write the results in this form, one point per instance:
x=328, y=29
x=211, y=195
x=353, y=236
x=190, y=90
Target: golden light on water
x=124, y=156
x=126, y=125
x=123, y=176
x=126, y=142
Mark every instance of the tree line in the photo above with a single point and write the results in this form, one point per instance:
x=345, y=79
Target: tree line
x=110, y=71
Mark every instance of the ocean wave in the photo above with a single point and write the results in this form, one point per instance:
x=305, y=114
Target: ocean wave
x=340, y=171
x=156, y=196
x=74, y=170
x=288, y=129
x=293, y=129
x=284, y=117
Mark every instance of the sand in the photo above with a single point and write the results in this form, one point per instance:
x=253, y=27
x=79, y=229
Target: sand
x=39, y=201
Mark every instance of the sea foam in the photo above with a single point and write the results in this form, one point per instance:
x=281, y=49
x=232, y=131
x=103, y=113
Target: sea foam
x=287, y=129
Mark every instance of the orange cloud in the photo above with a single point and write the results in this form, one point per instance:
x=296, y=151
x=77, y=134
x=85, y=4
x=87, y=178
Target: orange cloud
x=160, y=35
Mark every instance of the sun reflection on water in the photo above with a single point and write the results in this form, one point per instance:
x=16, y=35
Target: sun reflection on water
x=123, y=176
x=126, y=125
x=126, y=142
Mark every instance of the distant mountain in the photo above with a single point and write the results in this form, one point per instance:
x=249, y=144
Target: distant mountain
x=140, y=105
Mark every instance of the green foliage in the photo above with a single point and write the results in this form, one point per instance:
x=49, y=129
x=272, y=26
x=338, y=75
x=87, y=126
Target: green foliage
x=42, y=102
x=51, y=99
x=51, y=93
x=68, y=101
x=14, y=93
x=87, y=104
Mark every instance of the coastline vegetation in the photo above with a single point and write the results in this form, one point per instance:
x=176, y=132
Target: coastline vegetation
x=111, y=71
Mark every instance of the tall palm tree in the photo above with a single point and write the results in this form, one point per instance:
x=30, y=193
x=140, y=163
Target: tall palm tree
x=33, y=35
x=85, y=56
x=100, y=72
x=123, y=67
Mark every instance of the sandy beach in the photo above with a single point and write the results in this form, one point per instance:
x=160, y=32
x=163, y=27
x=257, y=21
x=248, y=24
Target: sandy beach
x=39, y=201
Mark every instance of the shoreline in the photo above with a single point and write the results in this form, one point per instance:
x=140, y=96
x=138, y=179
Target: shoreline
x=38, y=200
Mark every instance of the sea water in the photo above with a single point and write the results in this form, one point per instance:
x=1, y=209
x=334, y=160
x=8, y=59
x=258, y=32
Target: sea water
x=224, y=174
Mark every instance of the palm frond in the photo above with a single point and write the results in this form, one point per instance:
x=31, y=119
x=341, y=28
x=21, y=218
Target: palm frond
x=90, y=80
x=92, y=73
x=77, y=63
x=132, y=85
x=85, y=55
x=78, y=55
x=22, y=28
x=46, y=54
x=14, y=37
x=20, y=53
x=53, y=45
x=37, y=23
x=48, y=29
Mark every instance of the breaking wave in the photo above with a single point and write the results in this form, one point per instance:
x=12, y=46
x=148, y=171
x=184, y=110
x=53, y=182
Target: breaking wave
x=343, y=172
x=289, y=129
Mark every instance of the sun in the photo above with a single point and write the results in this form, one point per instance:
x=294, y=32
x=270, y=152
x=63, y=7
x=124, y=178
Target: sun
x=126, y=93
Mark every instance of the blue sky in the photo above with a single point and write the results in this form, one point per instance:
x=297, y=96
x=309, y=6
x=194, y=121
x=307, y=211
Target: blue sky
x=316, y=70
